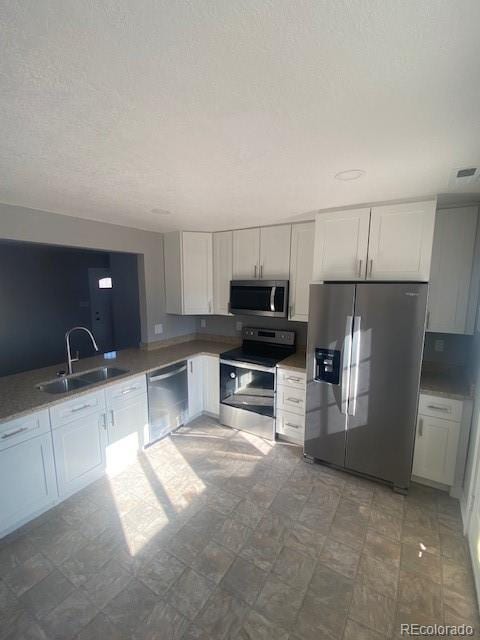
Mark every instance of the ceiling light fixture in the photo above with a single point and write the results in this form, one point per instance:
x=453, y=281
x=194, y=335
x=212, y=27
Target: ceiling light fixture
x=160, y=212
x=350, y=174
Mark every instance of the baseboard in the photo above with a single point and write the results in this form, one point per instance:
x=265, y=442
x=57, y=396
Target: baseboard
x=431, y=483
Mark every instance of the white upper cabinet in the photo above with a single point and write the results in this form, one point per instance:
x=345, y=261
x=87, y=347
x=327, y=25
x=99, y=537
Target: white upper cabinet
x=188, y=272
x=262, y=252
x=391, y=242
x=222, y=271
x=274, y=252
x=341, y=244
x=301, y=267
x=452, y=297
x=246, y=254
x=401, y=238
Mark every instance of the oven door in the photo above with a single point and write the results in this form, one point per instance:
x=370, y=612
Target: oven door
x=259, y=298
x=248, y=387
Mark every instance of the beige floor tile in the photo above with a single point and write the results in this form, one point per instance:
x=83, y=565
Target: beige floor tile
x=257, y=627
x=163, y=622
x=316, y=620
x=378, y=576
x=417, y=559
x=386, y=524
x=372, y=609
x=190, y=593
x=356, y=631
x=331, y=588
x=42, y=598
x=279, y=602
x=382, y=548
x=222, y=616
x=245, y=580
x=420, y=594
x=24, y=576
x=294, y=567
x=131, y=606
x=340, y=558
x=214, y=561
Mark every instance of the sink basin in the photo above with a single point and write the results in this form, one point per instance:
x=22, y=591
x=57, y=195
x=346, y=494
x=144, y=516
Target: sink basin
x=62, y=385
x=104, y=373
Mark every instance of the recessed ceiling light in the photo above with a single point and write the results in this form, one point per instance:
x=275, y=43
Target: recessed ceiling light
x=350, y=174
x=161, y=212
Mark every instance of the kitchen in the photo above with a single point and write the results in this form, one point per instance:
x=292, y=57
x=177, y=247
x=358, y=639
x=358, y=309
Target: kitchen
x=285, y=444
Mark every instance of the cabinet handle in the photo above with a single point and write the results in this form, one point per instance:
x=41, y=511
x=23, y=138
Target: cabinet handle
x=261, y=271
x=255, y=271
x=420, y=427
x=370, y=267
x=292, y=379
x=209, y=306
x=14, y=433
x=360, y=262
x=295, y=400
x=80, y=407
x=104, y=420
x=428, y=320
x=437, y=408
x=292, y=311
x=112, y=417
x=191, y=366
x=293, y=426
x=129, y=390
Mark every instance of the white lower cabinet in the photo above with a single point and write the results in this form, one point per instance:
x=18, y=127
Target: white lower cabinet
x=80, y=452
x=290, y=405
x=127, y=422
x=195, y=387
x=211, y=385
x=436, y=440
x=27, y=470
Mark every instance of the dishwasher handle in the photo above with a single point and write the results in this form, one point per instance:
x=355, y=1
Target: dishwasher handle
x=170, y=374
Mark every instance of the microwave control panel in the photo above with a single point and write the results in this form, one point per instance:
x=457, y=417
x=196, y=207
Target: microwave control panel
x=327, y=365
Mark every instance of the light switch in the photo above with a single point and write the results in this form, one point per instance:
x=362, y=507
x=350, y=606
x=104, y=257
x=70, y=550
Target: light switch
x=238, y=325
x=203, y=323
x=439, y=345
x=158, y=328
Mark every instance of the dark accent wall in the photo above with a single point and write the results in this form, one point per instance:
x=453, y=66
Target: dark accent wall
x=44, y=291
x=125, y=300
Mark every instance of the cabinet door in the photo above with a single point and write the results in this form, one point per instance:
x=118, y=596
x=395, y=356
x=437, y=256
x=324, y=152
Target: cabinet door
x=301, y=267
x=27, y=481
x=435, y=449
x=246, y=254
x=79, y=448
x=275, y=252
x=450, y=277
x=222, y=271
x=211, y=388
x=341, y=243
x=197, y=272
x=195, y=387
x=401, y=240
x=127, y=420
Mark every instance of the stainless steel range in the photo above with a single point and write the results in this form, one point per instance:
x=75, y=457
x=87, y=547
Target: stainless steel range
x=248, y=380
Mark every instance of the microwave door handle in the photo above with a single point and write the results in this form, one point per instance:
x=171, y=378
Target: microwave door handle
x=272, y=298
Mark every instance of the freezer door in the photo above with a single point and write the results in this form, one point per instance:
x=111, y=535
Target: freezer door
x=387, y=352
x=328, y=358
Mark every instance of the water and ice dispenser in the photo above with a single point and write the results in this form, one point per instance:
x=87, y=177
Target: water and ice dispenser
x=327, y=365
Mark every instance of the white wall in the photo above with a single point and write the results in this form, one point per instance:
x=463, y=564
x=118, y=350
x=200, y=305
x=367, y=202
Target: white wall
x=31, y=225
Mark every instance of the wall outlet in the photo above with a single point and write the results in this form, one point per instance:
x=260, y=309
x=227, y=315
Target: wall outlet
x=203, y=323
x=238, y=325
x=158, y=328
x=439, y=345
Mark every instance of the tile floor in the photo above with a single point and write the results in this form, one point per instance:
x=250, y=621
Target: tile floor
x=217, y=534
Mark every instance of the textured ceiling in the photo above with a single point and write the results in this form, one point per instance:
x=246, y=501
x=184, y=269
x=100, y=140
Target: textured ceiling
x=233, y=113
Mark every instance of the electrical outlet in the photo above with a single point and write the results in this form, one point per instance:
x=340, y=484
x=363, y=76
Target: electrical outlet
x=158, y=328
x=203, y=323
x=439, y=345
x=238, y=325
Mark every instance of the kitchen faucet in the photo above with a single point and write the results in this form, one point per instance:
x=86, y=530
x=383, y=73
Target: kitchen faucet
x=71, y=360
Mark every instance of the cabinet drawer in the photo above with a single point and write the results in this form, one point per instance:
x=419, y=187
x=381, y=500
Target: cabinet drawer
x=291, y=378
x=77, y=408
x=435, y=453
x=291, y=399
x=436, y=407
x=127, y=388
x=21, y=429
x=291, y=426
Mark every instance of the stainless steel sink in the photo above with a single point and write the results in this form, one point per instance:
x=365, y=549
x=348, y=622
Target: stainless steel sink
x=62, y=385
x=104, y=373
x=70, y=383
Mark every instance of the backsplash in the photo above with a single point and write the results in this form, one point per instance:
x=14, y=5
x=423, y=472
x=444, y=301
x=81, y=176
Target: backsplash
x=457, y=350
x=226, y=325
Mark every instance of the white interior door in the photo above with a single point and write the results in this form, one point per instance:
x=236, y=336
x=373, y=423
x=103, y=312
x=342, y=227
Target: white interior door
x=275, y=252
x=301, y=267
x=341, y=243
x=246, y=253
x=222, y=271
x=197, y=272
x=401, y=240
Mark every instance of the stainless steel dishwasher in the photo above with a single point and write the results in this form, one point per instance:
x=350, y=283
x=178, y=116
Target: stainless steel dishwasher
x=167, y=399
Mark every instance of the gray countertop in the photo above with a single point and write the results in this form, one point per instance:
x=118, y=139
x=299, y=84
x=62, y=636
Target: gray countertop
x=295, y=362
x=19, y=395
x=446, y=384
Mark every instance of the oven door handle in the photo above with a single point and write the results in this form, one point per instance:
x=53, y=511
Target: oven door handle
x=272, y=298
x=248, y=365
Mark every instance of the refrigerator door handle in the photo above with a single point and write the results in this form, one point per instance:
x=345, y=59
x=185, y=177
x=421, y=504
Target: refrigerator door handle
x=355, y=366
x=347, y=361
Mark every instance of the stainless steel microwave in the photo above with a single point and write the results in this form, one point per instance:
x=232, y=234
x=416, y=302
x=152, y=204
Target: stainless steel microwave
x=259, y=298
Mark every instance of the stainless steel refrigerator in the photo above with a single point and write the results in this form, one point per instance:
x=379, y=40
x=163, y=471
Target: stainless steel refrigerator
x=364, y=355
